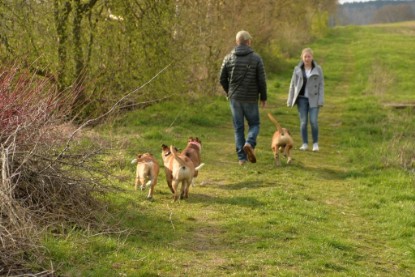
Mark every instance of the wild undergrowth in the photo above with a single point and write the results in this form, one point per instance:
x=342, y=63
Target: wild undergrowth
x=49, y=179
x=346, y=210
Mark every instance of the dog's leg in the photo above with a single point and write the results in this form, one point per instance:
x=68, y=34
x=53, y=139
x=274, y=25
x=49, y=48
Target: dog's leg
x=169, y=178
x=276, y=150
x=288, y=150
x=183, y=189
x=137, y=178
x=186, y=190
x=153, y=184
x=151, y=190
x=277, y=159
x=175, y=187
x=143, y=183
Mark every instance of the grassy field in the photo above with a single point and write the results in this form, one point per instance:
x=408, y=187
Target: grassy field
x=347, y=210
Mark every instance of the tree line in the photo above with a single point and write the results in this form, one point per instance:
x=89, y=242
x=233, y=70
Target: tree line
x=99, y=50
x=362, y=13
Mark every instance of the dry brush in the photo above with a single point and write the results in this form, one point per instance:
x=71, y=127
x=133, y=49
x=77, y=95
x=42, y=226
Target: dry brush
x=47, y=173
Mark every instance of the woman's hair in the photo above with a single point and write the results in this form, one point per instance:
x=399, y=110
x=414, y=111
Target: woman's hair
x=306, y=50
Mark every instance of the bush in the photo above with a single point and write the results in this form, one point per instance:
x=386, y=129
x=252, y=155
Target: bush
x=43, y=167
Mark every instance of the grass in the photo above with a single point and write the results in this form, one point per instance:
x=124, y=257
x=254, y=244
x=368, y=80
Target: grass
x=347, y=210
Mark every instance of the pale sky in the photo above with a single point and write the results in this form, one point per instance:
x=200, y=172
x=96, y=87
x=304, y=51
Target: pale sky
x=351, y=1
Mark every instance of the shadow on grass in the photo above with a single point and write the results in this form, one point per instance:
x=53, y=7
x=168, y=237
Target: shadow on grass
x=247, y=185
x=243, y=201
x=322, y=172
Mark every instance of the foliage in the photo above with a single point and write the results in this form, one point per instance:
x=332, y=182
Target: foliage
x=108, y=48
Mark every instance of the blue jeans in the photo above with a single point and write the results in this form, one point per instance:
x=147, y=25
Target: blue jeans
x=305, y=111
x=250, y=112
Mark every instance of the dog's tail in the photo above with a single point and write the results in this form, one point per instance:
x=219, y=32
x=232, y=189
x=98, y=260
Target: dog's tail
x=199, y=167
x=277, y=125
x=177, y=158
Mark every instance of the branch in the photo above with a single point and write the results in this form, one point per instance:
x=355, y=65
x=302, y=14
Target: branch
x=110, y=110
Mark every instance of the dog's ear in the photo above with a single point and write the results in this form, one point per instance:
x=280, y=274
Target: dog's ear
x=139, y=156
x=198, y=140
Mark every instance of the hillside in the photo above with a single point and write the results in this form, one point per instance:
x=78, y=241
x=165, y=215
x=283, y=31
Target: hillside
x=344, y=211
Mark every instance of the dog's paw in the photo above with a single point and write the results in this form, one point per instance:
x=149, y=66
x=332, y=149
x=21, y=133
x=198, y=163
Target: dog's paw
x=134, y=161
x=150, y=198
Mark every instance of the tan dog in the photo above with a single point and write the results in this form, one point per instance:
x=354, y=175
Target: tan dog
x=147, y=170
x=193, y=151
x=281, y=142
x=179, y=169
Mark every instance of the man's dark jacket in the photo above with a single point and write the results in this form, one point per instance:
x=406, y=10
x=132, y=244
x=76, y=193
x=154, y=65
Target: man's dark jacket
x=235, y=68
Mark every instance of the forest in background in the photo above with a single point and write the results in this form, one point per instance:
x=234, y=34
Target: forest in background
x=101, y=50
x=373, y=12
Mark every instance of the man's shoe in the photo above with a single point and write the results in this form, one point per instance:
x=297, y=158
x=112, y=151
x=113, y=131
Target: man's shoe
x=304, y=147
x=242, y=162
x=249, y=151
x=315, y=147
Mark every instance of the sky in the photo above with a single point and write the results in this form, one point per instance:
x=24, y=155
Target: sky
x=351, y=1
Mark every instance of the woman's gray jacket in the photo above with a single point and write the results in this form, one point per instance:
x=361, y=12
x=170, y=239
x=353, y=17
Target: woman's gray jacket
x=242, y=75
x=315, y=86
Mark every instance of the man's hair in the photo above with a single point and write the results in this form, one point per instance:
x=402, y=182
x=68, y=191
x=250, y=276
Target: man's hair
x=242, y=37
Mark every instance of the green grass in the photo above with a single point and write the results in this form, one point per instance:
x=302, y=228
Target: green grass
x=347, y=210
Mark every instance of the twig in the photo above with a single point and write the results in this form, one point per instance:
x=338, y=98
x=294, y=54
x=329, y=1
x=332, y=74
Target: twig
x=110, y=110
x=170, y=217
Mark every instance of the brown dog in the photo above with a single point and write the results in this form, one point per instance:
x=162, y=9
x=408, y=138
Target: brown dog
x=193, y=151
x=281, y=142
x=147, y=170
x=179, y=169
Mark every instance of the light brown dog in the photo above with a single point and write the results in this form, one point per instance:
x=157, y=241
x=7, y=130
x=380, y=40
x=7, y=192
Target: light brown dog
x=193, y=150
x=147, y=170
x=179, y=169
x=281, y=142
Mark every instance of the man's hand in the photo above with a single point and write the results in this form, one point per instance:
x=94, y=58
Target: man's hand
x=263, y=104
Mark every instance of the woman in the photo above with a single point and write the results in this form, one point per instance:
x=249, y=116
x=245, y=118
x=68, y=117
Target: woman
x=307, y=91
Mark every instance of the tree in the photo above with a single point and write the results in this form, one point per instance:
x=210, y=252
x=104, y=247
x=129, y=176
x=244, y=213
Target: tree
x=394, y=13
x=108, y=48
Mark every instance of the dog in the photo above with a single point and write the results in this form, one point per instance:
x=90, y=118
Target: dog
x=147, y=170
x=179, y=169
x=193, y=151
x=281, y=142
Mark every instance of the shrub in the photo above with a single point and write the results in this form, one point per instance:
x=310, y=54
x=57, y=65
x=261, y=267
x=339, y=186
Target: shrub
x=43, y=167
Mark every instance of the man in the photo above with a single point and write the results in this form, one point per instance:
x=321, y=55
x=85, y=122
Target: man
x=242, y=76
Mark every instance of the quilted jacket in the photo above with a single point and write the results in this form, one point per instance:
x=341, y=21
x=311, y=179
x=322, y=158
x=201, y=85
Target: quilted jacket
x=242, y=75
